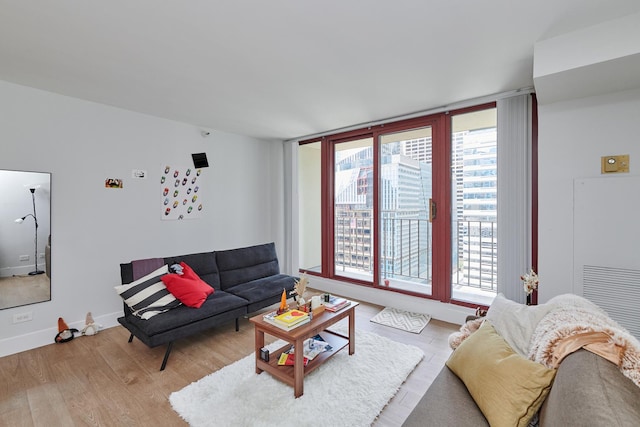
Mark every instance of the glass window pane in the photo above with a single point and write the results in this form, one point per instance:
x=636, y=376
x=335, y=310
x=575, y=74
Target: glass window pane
x=474, y=206
x=405, y=230
x=353, y=209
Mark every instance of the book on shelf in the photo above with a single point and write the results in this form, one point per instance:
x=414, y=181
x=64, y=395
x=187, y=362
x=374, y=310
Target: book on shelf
x=336, y=303
x=288, y=359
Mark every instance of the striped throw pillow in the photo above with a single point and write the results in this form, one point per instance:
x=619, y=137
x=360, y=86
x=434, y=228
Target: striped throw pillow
x=148, y=296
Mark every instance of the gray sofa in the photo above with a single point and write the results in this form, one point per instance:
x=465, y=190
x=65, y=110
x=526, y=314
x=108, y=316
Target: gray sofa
x=244, y=280
x=587, y=390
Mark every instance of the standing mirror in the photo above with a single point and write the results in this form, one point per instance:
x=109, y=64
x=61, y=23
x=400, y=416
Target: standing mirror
x=25, y=238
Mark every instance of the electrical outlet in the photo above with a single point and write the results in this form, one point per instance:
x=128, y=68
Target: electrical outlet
x=24, y=257
x=23, y=317
x=41, y=255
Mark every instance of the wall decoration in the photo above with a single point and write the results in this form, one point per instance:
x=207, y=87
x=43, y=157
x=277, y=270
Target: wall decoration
x=139, y=174
x=180, y=191
x=112, y=183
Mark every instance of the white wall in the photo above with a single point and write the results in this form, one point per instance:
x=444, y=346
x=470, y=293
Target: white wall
x=595, y=60
x=94, y=228
x=573, y=135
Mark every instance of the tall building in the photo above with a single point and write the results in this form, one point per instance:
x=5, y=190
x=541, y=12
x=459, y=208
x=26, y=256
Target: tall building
x=406, y=231
x=474, y=226
x=353, y=211
x=405, y=190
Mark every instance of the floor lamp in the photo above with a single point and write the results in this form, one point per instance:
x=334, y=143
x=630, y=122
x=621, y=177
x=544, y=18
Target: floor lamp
x=35, y=220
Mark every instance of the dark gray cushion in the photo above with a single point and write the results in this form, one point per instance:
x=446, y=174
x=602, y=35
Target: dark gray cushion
x=446, y=403
x=217, y=303
x=591, y=391
x=246, y=264
x=182, y=331
x=263, y=292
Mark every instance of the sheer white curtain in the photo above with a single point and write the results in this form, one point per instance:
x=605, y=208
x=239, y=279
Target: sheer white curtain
x=514, y=194
x=289, y=260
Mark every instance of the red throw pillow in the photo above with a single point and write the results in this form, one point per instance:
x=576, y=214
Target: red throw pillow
x=189, y=288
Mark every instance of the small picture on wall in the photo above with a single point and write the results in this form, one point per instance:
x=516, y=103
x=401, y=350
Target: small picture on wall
x=112, y=183
x=180, y=191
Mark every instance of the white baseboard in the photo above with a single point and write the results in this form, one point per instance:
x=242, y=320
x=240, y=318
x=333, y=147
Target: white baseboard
x=46, y=336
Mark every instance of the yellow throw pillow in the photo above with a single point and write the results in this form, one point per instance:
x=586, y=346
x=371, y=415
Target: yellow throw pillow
x=507, y=388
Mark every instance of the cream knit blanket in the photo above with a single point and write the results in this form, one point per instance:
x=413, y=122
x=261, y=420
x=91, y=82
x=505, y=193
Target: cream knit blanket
x=575, y=322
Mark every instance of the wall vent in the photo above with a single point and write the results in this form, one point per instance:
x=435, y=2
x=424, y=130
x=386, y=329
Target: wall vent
x=616, y=291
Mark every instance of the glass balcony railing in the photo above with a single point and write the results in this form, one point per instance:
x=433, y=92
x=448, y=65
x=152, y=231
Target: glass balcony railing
x=475, y=255
x=406, y=253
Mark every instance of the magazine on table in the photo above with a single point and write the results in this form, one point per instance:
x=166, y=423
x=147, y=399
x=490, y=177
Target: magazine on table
x=312, y=347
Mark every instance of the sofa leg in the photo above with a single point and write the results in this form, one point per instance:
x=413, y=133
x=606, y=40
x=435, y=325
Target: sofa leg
x=166, y=356
x=237, y=324
x=131, y=338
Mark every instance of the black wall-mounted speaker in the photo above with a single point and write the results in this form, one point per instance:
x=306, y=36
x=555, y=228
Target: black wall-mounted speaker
x=200, y=160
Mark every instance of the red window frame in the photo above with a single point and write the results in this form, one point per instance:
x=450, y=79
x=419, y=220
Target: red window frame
x=441, y=155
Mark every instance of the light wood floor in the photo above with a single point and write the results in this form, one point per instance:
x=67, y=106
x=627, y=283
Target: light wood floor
x=102, y=380
x=20, y=290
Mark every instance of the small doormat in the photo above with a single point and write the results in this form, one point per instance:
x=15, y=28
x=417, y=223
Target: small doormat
x=400, y=319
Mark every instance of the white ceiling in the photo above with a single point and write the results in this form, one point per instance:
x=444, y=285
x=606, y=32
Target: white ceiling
x=281, y=69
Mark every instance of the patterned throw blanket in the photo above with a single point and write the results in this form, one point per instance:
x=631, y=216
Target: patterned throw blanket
x=576, y=323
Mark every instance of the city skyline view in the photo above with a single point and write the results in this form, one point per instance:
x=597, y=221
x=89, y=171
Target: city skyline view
x=405, y=190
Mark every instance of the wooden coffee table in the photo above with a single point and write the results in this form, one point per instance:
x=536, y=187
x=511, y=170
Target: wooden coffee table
x=294, y=375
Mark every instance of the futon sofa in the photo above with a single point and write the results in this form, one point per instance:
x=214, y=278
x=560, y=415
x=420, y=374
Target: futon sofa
x=586, y=389
x=244, y=280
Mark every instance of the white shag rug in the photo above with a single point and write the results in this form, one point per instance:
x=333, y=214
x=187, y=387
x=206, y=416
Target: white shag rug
x=344, y=391
x=403, y=320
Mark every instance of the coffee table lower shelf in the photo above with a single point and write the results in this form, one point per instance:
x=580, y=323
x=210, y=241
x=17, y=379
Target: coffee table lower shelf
x=286, y=373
